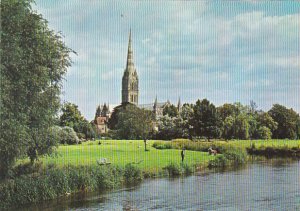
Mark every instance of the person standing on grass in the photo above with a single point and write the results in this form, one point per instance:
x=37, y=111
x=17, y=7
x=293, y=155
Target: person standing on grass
x=182, y=154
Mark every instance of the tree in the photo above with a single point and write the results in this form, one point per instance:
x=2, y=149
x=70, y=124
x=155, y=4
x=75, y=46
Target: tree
x=206, y=122
x=134, y=123
x=72, y=117
x=113, y=121
x=264, y=120
x=34, y=60
x=241, y=127
x=97, y=114
x=228, y=128
x=287, y=120
x=228, y=110
x=170, y=127
x=186, y=115
x=170, y=110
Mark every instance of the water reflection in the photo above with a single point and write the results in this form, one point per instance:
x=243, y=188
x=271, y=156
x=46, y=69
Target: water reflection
x=268, y=185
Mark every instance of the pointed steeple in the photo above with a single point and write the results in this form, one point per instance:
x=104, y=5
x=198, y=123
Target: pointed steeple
x=179, y=105
x=130, y=80
x=129, y=64
x=155, y=103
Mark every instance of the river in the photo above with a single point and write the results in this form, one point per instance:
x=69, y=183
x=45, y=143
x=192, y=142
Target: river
x=259, y=186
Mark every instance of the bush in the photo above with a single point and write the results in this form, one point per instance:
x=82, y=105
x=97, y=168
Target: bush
x=68, y=136
x=236, y=156
x=160, y=145
x=27, y=168
x=56, y=182
x=173, y=169
x=132, y=174
x=187, y=169
x=220, y=161
x=231, y=157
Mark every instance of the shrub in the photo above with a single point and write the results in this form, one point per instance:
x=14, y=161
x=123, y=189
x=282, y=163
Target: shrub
x=236, y=156
x=220, y=161
x=68, y=136
x=132, y=174
x=187, y=169
x=173, y=169
x=107, y=177
x=158, y=145
x=264, y=133
x=27, y=168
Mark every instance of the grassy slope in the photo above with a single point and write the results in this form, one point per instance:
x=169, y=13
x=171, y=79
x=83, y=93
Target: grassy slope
x=123, y=152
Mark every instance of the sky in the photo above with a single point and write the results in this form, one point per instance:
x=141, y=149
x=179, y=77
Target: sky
x=225, y=51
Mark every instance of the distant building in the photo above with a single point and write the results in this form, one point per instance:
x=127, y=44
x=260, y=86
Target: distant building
x=101, y=118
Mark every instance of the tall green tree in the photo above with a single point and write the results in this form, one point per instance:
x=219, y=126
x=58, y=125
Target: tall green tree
x=134, y=123
x=72, y=117
x=205, y=122
x=287, y=120
x=170, y=110
x=34, y=60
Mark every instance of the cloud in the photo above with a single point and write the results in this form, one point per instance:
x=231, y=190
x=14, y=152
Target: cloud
x=193, y=49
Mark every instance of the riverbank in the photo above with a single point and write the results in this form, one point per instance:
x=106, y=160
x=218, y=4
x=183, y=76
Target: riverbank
x=92, y=166
x=82, y=168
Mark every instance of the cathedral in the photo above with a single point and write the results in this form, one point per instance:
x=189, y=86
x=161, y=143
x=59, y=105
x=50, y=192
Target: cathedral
x=130, y=93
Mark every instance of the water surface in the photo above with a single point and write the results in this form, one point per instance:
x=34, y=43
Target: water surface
x=259, y=186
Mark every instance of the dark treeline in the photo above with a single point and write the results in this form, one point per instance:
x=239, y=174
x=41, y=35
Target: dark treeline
x=206, y=121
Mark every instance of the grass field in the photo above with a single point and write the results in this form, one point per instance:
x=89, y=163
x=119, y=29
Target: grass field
x=258, y=143
x=121, y=152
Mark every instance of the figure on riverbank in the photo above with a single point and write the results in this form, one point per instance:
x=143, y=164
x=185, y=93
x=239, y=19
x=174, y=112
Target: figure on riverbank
x=182, y=154
x=212, y=151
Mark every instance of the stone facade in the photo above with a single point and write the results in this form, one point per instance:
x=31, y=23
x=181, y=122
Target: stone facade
x=130, y=80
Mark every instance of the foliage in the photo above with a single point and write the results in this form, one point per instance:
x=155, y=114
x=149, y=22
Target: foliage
x=134, y=123
x=170, y=110
x=160, y=145
x=173, y=169
x=68, y=136
x=72, y=117
x=286, y=150
x=287, y=120
x=113, y=121
x=205, y=122
x=231, y=157
x=56, y=182
x=228, y=128
x=132, y=174
x=228, y=110
x=169, y=127
x=220, y=161
x=98, y=113
x=241, y=127
x=264, y=133
x=34, y=60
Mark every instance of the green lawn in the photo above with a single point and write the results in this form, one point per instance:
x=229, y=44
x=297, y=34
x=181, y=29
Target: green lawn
x=121, y=152
x=258, y=143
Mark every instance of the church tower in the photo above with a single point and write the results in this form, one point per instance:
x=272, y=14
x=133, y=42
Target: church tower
x=130, y=80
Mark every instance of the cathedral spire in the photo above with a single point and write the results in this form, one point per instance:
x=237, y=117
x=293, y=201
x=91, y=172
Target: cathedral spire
x=179, y=105
x=155, y=102
x=129, y=54
x=130, y=80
